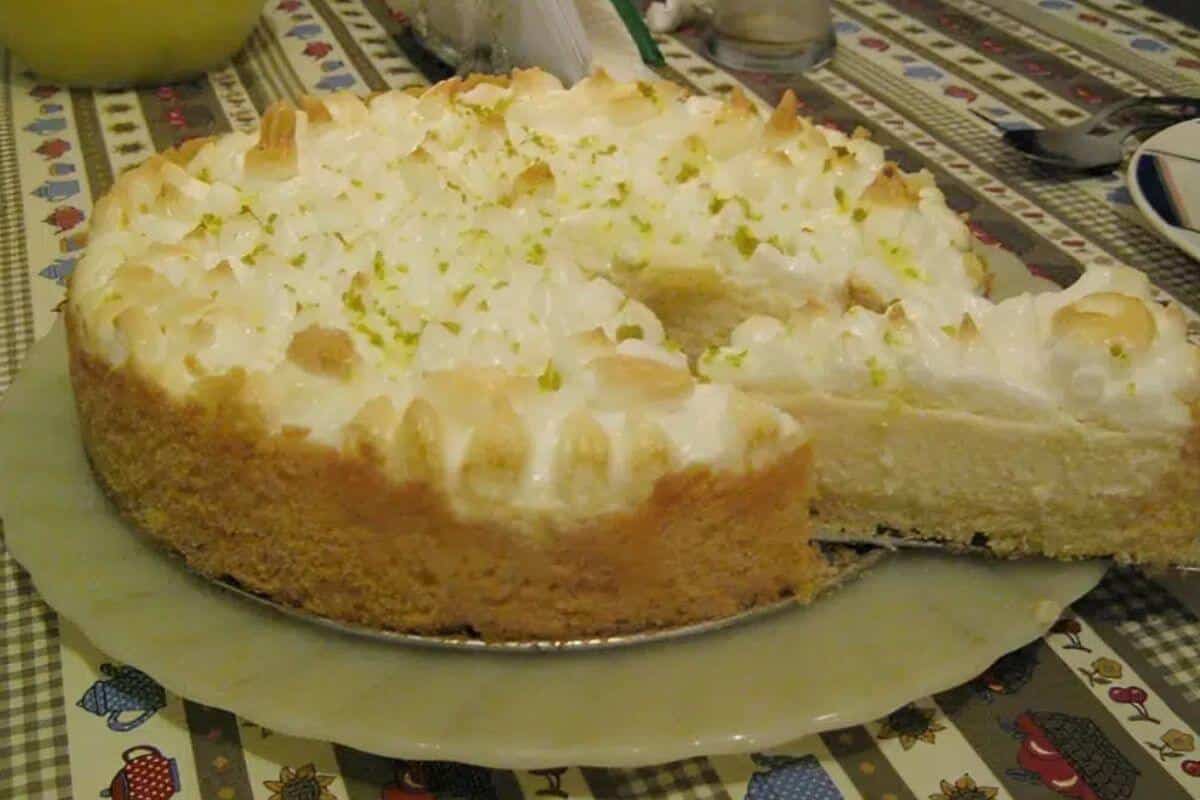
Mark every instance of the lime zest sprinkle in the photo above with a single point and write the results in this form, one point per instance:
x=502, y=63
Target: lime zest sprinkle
x=745, y=241
x=211, y=223
x=629, y=332
x=550, y=380
x=536, y=254
x=899, y=260
x=623, y=192
x=252, y=257
x=353, y=300
x=372, y=335
x=878, y=373
x=686, y=173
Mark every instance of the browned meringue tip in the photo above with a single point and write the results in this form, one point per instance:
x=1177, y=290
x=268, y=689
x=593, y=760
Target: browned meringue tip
x=419, y=442
x=534, y=81
x=496, y=455
x=892, y=187
x=861, y=293
x=896, y=316
x=481, y=78
x=581, y=460
x=373, y=425
x=324, y=351
x=1107, y=318
x=630, y=380
x=740, y=103
x=785, y=119
x=533, y=178
x=315, y=108
x=182, y=154
x=968, y=331
x=275, y=155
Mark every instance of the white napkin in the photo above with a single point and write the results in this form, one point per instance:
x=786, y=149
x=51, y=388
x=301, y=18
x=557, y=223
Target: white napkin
x=612, y=46
x=668, y=15
x=565, y=37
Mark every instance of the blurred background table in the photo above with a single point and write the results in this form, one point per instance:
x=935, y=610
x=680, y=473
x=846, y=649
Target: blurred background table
x=1106, y=707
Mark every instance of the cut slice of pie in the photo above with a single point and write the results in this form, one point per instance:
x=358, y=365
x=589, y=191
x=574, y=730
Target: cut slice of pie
x=1061, y=424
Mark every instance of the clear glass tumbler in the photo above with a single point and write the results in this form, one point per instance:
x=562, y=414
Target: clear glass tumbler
x=772, y=35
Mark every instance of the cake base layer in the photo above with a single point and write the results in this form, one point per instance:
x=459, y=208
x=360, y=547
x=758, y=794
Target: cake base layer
x=1018, y=488
x=328, y=532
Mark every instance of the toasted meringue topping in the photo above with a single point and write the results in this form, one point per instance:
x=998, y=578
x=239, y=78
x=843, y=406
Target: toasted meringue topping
x=1102, y=351
x=427, y=279
x=399, y=279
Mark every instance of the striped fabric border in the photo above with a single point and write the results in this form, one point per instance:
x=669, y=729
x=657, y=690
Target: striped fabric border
x=33, y=737
x=16, y=308
x=1061, y=21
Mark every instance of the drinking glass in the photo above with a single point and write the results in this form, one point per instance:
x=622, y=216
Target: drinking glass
x=771, y=35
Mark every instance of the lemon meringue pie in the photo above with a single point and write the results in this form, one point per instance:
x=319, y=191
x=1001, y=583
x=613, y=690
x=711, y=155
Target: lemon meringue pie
x=528, y=361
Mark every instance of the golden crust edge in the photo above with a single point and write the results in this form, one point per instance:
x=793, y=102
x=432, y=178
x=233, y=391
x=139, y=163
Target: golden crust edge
x=329, y=533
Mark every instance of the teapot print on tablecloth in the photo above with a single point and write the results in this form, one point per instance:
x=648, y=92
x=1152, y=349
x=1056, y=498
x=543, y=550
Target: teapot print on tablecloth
x=146, y=775
x=126, y=691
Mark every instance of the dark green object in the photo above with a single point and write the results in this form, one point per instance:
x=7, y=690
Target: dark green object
x=642, y=37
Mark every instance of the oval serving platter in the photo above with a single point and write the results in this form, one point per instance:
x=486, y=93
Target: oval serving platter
x=913, y=624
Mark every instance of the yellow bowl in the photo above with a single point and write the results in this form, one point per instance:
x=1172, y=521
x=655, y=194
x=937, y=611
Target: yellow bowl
x=111, y=43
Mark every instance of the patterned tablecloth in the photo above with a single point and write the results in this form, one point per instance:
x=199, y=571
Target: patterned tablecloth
x=1106, y=707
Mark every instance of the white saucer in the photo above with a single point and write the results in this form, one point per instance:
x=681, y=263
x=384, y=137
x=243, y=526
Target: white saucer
x=1164, y=180
x=914, y=625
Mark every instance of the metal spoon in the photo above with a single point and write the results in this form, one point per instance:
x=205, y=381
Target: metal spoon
x=1092, y=145
x=1082, y=152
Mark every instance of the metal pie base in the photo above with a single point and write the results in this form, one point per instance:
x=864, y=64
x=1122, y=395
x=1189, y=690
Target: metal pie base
x=850, y=563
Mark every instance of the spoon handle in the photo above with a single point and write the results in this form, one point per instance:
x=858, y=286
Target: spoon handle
x=1169, y=100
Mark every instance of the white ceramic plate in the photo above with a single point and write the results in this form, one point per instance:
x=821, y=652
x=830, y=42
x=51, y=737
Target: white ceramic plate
x=1164, y=180
x=914, y=625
